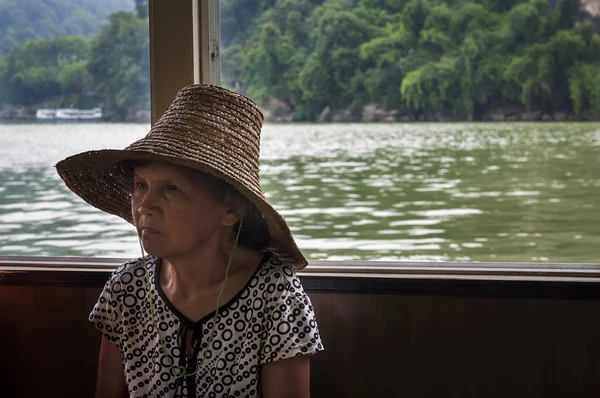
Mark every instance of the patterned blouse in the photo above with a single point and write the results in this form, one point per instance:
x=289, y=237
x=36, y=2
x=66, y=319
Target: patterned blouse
x=270, y=319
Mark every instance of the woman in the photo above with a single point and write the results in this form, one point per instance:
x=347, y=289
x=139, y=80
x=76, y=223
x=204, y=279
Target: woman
x=215, y=309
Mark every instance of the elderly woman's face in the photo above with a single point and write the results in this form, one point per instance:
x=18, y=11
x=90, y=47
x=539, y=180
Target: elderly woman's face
x=175, y=213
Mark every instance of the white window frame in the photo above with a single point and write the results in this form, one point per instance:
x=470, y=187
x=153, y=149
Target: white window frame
x=207, y=41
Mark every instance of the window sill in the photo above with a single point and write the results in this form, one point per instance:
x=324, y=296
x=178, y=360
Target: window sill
x=532, y=280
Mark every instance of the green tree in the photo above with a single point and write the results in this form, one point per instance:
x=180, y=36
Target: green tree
x=277, y=53
x=385, y=51
x=119, y=64
x=22, y=20
x=584, y=76
x=41, y=71
x=333, y=74
x=584, y=84
x=542, y=70
x=414, y=16
x=141, y=8
x=565, y=14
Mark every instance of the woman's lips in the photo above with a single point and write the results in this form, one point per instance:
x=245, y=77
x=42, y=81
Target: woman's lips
x=149, y=230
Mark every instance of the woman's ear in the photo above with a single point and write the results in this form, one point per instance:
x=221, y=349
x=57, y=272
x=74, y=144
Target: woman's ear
x=230, y=218
x=233, y=211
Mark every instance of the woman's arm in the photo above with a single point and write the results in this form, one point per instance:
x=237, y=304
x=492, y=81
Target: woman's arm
x=110, y=382
x=286, y=378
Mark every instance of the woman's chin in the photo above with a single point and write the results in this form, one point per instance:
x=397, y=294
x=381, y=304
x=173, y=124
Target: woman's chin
x=153, y=246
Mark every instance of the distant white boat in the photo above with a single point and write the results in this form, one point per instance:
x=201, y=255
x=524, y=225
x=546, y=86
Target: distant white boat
x=68, y=114
x=45, y=114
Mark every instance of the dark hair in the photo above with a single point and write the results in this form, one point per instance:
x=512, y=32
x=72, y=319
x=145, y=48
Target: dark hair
x=255, y=231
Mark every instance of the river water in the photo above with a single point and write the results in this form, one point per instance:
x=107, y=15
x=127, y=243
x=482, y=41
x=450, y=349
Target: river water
x=431, y=192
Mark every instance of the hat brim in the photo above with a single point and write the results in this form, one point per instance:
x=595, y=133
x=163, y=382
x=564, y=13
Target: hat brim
x=101, y=179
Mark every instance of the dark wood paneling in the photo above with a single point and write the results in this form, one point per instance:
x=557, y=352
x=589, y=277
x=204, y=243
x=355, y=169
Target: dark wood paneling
x=47, y=346
x=420, y=346
x=457, y=287
x=413, y=343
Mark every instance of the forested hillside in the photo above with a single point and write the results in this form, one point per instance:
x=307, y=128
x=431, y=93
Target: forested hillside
x=110, y=69
x=22, y=20
x=422, y=58
x=306, y=60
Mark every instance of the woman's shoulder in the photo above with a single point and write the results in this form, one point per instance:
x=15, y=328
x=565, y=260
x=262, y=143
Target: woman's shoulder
x=133, y=270
x=275, y=275
x=127, y=278
x=273, y=268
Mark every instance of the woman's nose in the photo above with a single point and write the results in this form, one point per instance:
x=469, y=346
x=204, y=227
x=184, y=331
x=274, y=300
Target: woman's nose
x=146, y=203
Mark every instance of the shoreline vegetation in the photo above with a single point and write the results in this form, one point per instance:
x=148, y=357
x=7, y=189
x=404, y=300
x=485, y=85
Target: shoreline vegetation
x=338, y=61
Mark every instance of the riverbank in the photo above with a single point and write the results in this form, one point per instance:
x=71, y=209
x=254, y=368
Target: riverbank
x=16, y=114
x=277, y=111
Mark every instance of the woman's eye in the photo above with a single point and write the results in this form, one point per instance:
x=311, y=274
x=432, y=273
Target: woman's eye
x=172, y=188
x=139, y=184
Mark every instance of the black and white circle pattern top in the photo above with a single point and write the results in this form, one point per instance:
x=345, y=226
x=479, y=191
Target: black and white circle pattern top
x=270, y=319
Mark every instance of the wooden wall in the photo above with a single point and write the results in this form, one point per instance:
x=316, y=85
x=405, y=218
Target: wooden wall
x=419, y=346
x=47, y=348
x=383, y=338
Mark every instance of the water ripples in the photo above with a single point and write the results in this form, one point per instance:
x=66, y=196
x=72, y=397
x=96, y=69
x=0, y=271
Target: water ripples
x=434, y=192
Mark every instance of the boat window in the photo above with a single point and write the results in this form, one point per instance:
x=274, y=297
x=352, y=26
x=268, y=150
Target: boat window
x=72, y=78
x=394, y=130
x=425, y=131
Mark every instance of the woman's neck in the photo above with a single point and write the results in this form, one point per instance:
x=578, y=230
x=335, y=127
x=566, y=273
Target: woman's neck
x=186, y=276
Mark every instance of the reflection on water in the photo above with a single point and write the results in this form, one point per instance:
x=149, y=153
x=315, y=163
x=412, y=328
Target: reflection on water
x=448, y=192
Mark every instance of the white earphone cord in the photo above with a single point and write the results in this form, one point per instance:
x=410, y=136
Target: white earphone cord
x=179, y=371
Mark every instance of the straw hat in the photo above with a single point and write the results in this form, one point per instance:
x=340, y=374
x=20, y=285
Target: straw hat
x=206, y=128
